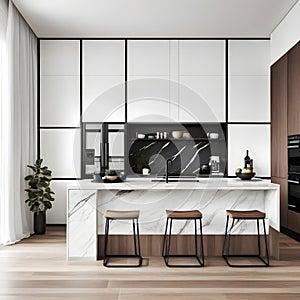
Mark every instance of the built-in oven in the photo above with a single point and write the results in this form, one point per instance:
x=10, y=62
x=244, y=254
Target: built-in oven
x=294, y=173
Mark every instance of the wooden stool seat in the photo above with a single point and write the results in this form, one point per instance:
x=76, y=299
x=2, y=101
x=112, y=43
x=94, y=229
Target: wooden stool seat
x=184, y=214
x=117, y=214
x=245, y=214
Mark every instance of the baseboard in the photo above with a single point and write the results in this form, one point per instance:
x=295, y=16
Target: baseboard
x=292, y=234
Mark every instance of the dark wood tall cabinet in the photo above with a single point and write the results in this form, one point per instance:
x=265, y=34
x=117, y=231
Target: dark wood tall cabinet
x=279, y=118
x=285, y=121
x=279, y=132
x=294, y=90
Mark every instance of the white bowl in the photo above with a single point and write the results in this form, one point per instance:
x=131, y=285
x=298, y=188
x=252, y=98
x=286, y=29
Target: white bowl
x=141, y=136
x=177, y=134
x=186, y=135
x=214, y=135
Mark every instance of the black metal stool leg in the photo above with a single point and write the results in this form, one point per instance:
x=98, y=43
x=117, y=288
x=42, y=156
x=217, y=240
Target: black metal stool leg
x=134, y=237
x=196, y=240
x=106, y=242
x=266, y=244
x=167, y=256
x=201, y=237
x=226, y=247
x=164, y=240
x=258, y=237
x=137, y=248
x=167, y=246
x=225, y=236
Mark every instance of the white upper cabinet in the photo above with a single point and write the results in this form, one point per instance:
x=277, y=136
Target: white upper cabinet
x=202, y=57
x=249, y=57
x=105, y=57
x=148, y=81
x=103, y=81
x=59, y=57
x=201, y=81
x=59, y=83
x=149, y=57
x=248, y=82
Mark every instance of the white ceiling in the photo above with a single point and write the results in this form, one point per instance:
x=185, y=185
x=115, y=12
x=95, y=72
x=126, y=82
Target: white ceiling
x=154, y=18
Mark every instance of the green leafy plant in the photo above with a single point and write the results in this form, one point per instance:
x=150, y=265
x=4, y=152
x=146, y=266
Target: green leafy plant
x=109, y=172
x=39, y=191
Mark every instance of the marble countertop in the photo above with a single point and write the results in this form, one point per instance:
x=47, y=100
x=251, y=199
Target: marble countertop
x=201, y=184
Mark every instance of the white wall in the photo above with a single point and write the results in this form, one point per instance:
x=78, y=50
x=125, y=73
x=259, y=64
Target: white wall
x=286, y=34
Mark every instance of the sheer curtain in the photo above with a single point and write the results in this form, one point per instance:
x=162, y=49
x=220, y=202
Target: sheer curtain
x=17, y=123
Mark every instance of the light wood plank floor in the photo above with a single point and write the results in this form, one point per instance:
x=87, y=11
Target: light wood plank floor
x=37, y=268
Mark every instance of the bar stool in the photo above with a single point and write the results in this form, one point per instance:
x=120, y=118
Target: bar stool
x=245, y=215
x=111, y=215
x=182, y=215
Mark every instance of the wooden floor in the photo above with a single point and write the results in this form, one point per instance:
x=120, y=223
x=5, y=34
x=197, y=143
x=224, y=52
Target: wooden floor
x=37, y=268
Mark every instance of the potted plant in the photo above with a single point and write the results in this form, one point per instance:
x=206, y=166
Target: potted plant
x=39, y=194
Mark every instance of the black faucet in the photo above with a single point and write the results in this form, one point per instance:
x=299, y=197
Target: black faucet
x=167, y=169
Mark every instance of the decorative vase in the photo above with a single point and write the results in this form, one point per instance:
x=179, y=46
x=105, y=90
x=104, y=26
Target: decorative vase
x=39, y=222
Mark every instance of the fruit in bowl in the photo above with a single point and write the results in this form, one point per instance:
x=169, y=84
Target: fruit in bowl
x=111, y=175
x=245, y=174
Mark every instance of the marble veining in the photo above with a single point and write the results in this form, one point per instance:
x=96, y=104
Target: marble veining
x=82, y=221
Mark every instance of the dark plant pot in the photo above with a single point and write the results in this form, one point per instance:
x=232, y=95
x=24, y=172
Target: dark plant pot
x=39, y=222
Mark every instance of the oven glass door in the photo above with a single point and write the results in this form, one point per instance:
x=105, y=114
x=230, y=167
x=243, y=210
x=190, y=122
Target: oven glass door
x=294, y=195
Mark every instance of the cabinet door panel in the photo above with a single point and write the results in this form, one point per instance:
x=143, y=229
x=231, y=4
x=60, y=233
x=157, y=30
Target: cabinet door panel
x=148, y=99
x=60, y=105
x=256, y=139
x=202, y=57
x=279, y=118
x=294, y=90
x=59, y=57
x=148, y=58
x=249, y=57
x=103, y=57
x=60, y=149
x=249, y=99
x=103, y=99
x=207, y=101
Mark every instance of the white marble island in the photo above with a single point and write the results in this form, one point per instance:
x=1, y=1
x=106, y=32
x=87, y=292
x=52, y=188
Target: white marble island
x=87, y=201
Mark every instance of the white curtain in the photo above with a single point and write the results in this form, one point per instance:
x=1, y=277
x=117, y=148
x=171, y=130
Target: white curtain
x=17, y=124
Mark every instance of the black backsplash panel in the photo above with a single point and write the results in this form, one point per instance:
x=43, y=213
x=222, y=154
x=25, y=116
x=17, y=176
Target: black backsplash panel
x=187, y=154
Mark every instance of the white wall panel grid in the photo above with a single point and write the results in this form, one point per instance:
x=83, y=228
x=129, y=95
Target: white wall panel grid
x=103, y=99
x=59, y=57
x=60, y=149
x=249, y=99
x=249, y=57
x=59, y=101
x=249, y=81
x=252, y=137
x=148, y=57
x=202, y=57
x=106, y=57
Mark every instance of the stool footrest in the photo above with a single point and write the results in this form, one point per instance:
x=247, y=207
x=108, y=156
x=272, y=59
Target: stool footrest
x=200, y=263
x=265, y=263
x=106, y=261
